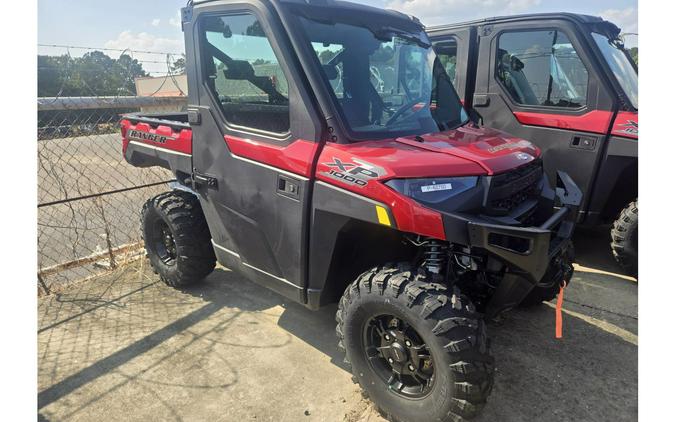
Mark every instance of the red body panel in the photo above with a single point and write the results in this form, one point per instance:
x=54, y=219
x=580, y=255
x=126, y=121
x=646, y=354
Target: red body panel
x=626, y=124
x=296, y=158
x=466, y=151
x=161, y=137
x=492, y=150
x=596, y=121
x=408, y=215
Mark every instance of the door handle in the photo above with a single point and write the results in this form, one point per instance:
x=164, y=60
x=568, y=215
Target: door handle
x=200, y=180
x=288, y=187
x=584, y=142
x=480, y=100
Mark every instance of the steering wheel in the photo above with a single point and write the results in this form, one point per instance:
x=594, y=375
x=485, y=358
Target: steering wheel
x=405, y=108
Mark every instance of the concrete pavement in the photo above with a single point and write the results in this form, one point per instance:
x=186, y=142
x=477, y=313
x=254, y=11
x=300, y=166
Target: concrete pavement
x=126, y=347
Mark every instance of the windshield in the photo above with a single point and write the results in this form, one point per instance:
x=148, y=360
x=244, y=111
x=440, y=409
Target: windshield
x=387, y=83
x=621, y=67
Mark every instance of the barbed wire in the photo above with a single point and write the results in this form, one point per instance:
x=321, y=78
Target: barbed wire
x=69, y=70
x=75, y=47
x=138, y=60
x=88, y=197
x=96, y=70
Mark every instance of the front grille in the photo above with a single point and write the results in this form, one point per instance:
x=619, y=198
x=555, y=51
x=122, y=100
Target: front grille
x=510, y=189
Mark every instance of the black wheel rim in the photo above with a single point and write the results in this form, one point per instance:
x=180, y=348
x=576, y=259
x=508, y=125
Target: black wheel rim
x=398, y=355
x=164, y=243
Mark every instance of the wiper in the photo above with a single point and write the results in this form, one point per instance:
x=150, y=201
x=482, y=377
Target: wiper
x=386, y=33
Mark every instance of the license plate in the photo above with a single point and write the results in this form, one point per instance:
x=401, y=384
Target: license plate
x=434, y=188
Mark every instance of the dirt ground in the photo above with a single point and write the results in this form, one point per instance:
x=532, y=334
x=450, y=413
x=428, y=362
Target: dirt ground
x=126, y=347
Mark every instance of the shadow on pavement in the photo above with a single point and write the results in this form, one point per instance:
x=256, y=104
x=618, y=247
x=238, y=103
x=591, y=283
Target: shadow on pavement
x=128, y=331
x=592, y=246
x=91, y=322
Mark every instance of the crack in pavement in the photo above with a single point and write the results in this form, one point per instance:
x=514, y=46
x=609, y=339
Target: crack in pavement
x=602, y=309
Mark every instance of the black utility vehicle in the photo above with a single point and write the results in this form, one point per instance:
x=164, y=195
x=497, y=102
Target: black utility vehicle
x=325, y=154
x=565, y=82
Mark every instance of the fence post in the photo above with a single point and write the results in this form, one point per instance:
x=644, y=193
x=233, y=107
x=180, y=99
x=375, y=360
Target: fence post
x=86, y=189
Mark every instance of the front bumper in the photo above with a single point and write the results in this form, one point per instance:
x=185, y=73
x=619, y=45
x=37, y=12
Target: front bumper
x=527, y=251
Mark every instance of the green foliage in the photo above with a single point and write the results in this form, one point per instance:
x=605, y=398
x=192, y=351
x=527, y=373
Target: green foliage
x=255, y=29
x=634, y=54
x=178, y=65
x=326, y=55
x=94, y=73
x=383, y=54
x=449, y=63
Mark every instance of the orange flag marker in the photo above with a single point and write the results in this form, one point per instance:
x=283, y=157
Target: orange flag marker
x=558, y=311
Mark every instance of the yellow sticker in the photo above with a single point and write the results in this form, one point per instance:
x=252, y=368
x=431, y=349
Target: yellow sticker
x=382, y=215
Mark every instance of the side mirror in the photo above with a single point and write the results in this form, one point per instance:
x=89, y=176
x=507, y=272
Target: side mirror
x=516, y=64
x=240, y=70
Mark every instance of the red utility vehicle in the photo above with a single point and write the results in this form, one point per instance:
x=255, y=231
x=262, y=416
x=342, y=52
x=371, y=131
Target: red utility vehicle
x=565, y=82
x=325, y=154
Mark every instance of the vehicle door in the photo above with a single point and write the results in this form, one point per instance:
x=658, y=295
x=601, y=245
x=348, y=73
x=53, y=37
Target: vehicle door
x=454, y=49
x=254, y=142
x=539, y=81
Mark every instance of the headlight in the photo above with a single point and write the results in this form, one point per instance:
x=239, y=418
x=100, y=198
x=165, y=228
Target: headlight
x=433, y=191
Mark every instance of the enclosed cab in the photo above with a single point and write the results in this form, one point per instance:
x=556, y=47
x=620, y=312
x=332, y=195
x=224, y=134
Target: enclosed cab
x=325, y=154
x=565, y=82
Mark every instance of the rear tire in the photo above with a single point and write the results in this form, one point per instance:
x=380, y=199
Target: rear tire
x=177, y=238
x=437, y=320
x=625, y=239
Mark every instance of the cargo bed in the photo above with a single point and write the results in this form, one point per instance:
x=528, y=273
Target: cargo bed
x=158, y=139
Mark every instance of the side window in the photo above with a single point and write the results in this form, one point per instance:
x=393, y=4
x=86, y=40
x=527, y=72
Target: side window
x=243, y=73
x=332, y=66
x=412, y=75
x=383, y=71
x=446, y=50
x=541, y=68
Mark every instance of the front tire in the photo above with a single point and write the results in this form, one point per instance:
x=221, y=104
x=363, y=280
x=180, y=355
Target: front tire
x=177, y=238
x=625, y=239
x=418, y=349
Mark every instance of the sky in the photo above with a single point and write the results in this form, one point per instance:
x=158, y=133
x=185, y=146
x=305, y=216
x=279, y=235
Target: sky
x=155, y=25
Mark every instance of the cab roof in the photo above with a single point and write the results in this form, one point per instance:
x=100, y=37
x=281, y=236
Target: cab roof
x=336, y=4
x=576, y=17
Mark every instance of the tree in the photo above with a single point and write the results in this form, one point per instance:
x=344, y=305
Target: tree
x=52, y=71
x=258, y=62
x=178, y=65
x=95, y=73
x=383, y=54
x=132, y=65
x=326, y=55
x=634, y=54
x=255, y=30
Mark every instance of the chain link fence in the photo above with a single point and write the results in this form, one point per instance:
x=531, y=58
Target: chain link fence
x=89, y=198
